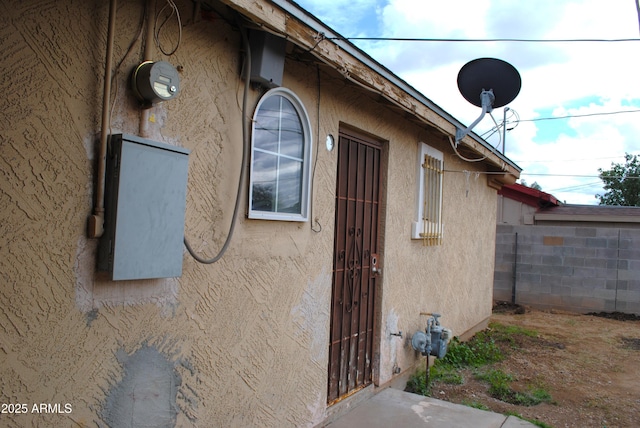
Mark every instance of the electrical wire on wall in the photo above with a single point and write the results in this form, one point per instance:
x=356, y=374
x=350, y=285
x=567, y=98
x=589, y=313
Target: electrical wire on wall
x=315, y=163
x=501, y=141
x=453, y=146
x=506, y=121
x=172, y=10
x=137, y=38
x=246, y=72
x=467, y=176
x=497, y=128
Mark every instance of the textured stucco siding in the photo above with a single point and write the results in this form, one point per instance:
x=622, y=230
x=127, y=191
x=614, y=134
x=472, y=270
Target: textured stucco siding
x=244, y=341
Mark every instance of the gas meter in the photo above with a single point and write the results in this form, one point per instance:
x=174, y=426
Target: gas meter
x=434, y=340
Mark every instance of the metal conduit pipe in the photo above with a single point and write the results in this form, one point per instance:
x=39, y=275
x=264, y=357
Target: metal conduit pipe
x=95, y=227
x=143, y=127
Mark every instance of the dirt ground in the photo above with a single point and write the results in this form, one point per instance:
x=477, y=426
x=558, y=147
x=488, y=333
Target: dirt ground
x=589, y=364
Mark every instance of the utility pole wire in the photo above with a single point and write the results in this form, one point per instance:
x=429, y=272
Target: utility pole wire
x=414, y=39
x=638, y=10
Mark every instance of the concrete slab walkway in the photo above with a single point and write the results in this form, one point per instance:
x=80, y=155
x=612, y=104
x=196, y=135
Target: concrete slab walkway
x=396, y=408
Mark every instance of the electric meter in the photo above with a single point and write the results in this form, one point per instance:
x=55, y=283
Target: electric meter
x=154, y=82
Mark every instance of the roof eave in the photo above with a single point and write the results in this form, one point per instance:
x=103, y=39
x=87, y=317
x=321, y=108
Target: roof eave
x=310, y=35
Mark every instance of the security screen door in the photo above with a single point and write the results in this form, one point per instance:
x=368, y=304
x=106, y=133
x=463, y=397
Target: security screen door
x=353, y=301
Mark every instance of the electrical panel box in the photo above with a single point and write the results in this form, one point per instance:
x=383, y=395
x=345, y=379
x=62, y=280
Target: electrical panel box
x=267, y=58
x=145, y=202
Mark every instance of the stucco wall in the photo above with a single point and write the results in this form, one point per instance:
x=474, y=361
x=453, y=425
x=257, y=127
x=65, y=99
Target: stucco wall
x=514, y=212
x=242, y=342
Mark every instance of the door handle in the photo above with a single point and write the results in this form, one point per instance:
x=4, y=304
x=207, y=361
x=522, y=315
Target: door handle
x=375, y=269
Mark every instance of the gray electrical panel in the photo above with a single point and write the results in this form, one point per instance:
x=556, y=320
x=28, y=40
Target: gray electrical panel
x=145, y=201
x=267, y=58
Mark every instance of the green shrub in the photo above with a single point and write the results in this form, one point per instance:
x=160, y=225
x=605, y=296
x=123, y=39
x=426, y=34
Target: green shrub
x=533, y=421
x=417, y=384
x=500, y=388
x=481, y=350
x=476, y=405
x=445, y=374
x=531, y=398
x=509, y=334
x=478, y=351
x=499, y=383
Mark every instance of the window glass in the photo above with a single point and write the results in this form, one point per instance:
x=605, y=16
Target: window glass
x=281, y=148
x=265, y=168
x=290, y=186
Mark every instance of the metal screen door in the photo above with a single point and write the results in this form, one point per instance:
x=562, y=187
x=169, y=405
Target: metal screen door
x=355, y=255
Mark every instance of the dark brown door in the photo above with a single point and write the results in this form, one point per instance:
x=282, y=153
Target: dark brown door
x=354, y=277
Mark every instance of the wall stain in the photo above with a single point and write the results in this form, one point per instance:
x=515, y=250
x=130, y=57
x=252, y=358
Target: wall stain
x=91, y=316
x=146, y=394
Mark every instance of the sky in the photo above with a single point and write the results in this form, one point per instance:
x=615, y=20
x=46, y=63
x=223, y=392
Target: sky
x=559, y=79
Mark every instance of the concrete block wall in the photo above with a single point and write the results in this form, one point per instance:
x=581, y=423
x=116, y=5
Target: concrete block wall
x=578, y=269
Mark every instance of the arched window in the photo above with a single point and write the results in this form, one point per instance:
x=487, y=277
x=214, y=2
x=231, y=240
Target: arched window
x=280, y=158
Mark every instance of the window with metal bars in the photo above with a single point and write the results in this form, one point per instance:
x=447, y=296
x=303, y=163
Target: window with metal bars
x=428, y=226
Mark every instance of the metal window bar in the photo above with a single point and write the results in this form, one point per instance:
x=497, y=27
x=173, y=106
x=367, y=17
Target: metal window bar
x=432, y=196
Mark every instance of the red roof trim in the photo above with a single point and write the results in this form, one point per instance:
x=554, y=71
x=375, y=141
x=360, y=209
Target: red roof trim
x=528, y=195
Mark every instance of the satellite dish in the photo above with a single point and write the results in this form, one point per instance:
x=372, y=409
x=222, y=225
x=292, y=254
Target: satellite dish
x=485, y=74
x=488, y=83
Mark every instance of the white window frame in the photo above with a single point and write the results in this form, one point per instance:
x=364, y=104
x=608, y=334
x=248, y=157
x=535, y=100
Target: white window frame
x=430, y=231
x=306, y=160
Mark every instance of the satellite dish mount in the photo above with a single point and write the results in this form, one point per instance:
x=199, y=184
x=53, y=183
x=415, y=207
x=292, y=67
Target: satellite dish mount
x=487, y=83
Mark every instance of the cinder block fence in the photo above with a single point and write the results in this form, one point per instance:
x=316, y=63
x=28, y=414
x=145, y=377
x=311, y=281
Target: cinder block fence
x=578, y=269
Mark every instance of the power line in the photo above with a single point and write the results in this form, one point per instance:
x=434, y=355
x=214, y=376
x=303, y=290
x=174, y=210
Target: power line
x=580, y=115
x=579, y=176
x=638, y=10
x=574, y=188
x=413, y=39
x=493, y=130
x=568, y=160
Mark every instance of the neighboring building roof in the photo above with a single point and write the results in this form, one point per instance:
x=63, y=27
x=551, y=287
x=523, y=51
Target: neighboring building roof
x=527, y=195
x=590, y=213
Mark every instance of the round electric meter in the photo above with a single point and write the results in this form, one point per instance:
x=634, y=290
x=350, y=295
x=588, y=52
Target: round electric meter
x=154, y=82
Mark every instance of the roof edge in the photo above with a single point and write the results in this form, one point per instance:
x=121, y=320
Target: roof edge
x=451, y=124
x=315, y=24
